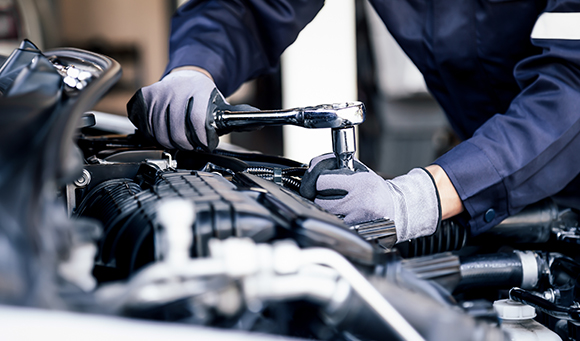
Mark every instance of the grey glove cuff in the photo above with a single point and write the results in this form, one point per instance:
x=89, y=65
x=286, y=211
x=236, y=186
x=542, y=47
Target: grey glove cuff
x=417, y=207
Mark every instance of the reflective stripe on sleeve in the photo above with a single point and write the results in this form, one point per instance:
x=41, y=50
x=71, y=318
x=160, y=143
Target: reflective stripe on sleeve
x=557, y=26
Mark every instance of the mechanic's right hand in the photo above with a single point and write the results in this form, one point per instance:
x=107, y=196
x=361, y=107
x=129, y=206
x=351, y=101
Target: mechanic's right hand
x=177, y=111
x=410, y=200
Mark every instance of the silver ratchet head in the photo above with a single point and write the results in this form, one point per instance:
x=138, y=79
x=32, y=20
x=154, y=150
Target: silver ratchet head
x=337, y=115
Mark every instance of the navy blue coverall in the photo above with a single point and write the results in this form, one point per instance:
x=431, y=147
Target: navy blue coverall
x=506, y=72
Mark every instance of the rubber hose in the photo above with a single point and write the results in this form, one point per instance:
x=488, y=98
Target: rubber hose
x=449, y=236
x=495, y=270
x=543, y=305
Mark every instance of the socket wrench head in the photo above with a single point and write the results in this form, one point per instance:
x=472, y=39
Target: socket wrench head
x=344, y=147
x=337, y=115
x=340, y=117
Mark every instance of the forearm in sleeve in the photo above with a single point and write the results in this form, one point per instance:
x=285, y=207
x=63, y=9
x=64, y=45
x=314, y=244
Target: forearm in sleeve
x=530, y=152
x=236, y=40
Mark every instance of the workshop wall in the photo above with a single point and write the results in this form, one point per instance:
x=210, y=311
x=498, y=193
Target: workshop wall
x=134, y=32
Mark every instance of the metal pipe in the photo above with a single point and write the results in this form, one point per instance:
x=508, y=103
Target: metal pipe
x=364, y=289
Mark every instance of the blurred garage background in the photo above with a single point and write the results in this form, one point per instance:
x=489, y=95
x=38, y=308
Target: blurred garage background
x=345, y=54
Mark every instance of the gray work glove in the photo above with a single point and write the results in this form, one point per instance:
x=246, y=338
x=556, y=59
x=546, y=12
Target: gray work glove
x=177, y=111
x=410, y=200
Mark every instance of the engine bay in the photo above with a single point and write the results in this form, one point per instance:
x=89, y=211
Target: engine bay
x=105, y=223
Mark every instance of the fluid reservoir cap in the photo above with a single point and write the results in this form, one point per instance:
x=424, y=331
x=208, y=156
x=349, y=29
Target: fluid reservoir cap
x=512, y=310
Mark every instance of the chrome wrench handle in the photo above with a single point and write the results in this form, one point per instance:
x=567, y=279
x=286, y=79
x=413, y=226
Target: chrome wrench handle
x=338, y=115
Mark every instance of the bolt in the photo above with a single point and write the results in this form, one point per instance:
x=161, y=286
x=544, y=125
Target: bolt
x=84, y=180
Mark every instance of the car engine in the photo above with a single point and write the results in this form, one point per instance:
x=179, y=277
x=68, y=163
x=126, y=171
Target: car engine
x=99, y=222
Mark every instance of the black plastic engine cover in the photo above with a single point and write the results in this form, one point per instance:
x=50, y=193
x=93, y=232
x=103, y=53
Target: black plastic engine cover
x=128, y=214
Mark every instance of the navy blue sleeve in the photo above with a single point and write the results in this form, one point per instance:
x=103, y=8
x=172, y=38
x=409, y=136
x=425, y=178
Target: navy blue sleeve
x=532, y=151
x=236, y=40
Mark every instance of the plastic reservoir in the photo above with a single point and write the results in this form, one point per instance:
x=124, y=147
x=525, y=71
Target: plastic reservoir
x=517, y=320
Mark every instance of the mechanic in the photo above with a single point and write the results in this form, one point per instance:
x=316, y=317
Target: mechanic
x=506, y=73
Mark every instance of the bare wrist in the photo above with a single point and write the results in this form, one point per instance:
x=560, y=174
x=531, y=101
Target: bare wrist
x=451, y=204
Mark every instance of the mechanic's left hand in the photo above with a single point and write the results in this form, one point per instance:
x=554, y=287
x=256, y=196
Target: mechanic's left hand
x=410, y=200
